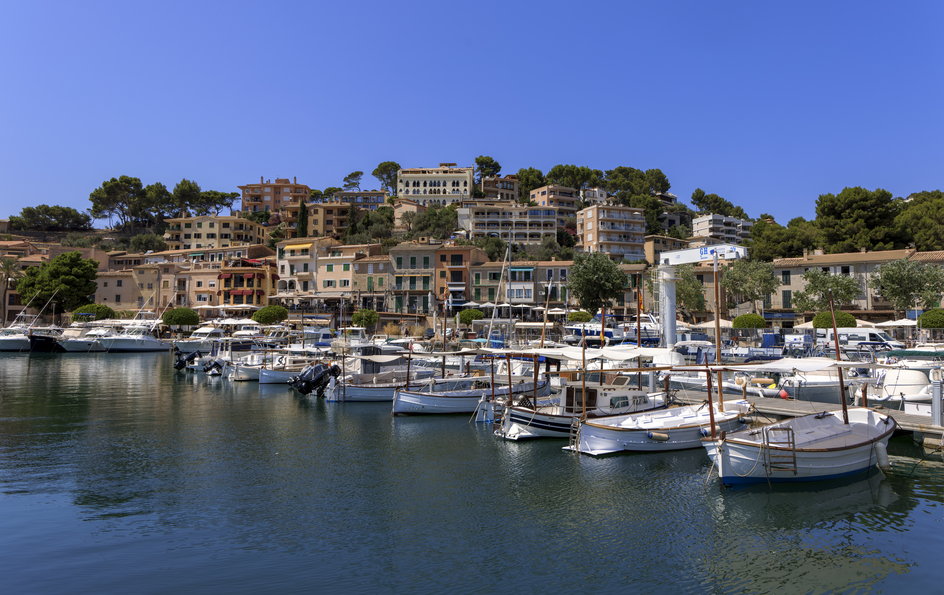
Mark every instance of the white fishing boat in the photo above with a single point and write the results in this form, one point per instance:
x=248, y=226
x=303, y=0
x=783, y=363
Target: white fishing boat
x=466, y=400
x=525, y=420
x=84, y=339
x=136, y=338
x=381, y=387
x=812, y=447
x=202, y=339
x=667, y=429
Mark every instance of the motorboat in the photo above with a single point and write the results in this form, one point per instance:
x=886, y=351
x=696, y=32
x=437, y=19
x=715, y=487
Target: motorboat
x=811, y=447
x=575, y=332
x=16, y=336
x=351, y=338
x=45, y=339
x=135, y=338
x=84, y=339
x=203, y=339
x=676, y=428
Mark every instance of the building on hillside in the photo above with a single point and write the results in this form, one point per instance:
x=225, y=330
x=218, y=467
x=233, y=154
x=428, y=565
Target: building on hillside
x=362, y=199
x=617, y=231
x=17, y=248
x=729, y=230
x=4, y=226
x=453, y=273
x=413, y=271
x=217, y=256
x=273, y=196
x=594, y=196
x=334, y=276
x=328, y=219
x=297, y=262
x=562, y=198
x=536, y=284
x=246, y=284
x=656, y=245
x=431, y=186
x=512, y=223
x=150, y=288
x=500, y=187
x=211, y=232
x=405, y=207
x=372, y=282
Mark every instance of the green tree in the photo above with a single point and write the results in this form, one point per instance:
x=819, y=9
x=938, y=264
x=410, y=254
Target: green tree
x=260, y=217
x=270, y=314
x=316, y=195
x=180, y=317
x=93, y=312
x=857, y=218
x=365, y=318
x=493, y=247
x=330, y=191
x=437, y=222
x=770, y=240
x=749, y=321
x=595, y=281
x=920, y=220
x=749, y=281
x=466, y=317
x=120, y=198
x=823, y=290
x=352, y=181
x=712, y=203
x=213, y=202
x=50, y=218
x=10, y=271
x=386, y=173
x=485, y=167
x=905, y=283
x=186, y=195
x=932, y=319
x=689, y=292
x=301, y=222
x=575, y=176
x=579, y=316
x=529, y=179
x=147, y=241
x=275, y=236
x=825, y=320
x=66, y=282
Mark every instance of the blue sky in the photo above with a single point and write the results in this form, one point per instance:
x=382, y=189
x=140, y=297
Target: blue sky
x=767, y=104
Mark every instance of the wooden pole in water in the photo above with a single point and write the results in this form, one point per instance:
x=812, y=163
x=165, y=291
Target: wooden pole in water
x=491, y=358
x=409, y=358
x=718, y=335
x=534, y=364
x=842, y=386
x=508, y=363
x=711, y=407
x=583, y=379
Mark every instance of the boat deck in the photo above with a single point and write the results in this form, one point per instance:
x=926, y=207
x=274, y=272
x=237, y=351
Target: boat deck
x=794, y=408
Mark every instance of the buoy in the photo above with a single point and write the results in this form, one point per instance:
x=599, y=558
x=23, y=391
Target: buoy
x=784, y=394
x=659, y=436
x=881, y=456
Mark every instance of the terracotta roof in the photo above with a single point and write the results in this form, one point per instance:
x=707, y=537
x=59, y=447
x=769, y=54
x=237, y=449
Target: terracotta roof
x=932, y=256
x=843, y=258
x=33, y=258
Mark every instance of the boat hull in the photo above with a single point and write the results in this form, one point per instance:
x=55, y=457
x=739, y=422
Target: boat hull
x=523, y=423
x=125, y=345
x=466, y=401
x=15, y=343
x=80, y=345
x=742, y=462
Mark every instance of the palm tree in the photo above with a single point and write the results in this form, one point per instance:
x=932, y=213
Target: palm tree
x=9, y=271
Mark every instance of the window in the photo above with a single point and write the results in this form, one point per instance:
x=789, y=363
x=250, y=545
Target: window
x=150, y=286
x=426, y=262
x=345, y=282
x=117, y=298
x=442, y=274
x=346, y=266
x=399, y=262
x=105, y=284
x=118, y=284
x=329, y=268
x=785, y=277
x=844, y=270
x=412, y=262
x=199, y=283
x=787, y=297
x=478, y=278
x=380, y=281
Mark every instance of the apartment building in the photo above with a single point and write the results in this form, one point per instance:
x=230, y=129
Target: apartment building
x=433, y=186
x=405, y=206
x=594, y=196
x=453, y=273
x=212, y=231
x=145, y=287
x=372, y=282
x=654, y=245
x=246, y=283
x=512, y=223
x=413, y=273
x=273, y=196
x=335, y=273
x=617, y=231
x=362, y=199
x=500, y=187
x=297, y=262
x=531, y=283
x=328, y=219
x=564, y=199
x=729, y=230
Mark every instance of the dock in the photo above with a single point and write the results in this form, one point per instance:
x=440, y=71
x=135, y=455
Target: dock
x=921, y=425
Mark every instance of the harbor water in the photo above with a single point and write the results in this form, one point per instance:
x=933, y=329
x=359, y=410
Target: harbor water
x=118, y=474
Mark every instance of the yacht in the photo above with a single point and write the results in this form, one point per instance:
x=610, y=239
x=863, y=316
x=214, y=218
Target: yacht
x=16, y=336
x=136, y=338
x=84, y=339
x=202, y=339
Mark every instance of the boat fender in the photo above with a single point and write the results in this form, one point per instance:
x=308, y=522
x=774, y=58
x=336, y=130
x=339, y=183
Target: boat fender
x=740, y=380
x=705, y=432
x=658, y=436
x=784, y=394
x=881, y=456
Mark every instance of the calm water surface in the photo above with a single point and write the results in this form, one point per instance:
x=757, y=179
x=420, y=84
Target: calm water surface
x=119, y=475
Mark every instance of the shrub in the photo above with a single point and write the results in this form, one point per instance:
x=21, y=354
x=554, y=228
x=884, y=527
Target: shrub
x=749, y=321
x=579, y=316
x=93, y=312
x=365, y=318
x=180, y=317
x=467, y=316
x=843, y=320
x=270, y=315
x=932, y=319
x=392, y=329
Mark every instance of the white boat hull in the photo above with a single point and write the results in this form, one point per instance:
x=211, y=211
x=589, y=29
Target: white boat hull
x=132, y=344
x=522, y=423
x=842, y=450
x=466, y=401
x=15, y=343
x=270, y=376
x=81, y=345
x=669, y=429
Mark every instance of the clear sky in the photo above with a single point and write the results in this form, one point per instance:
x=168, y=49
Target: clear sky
x=768, y=104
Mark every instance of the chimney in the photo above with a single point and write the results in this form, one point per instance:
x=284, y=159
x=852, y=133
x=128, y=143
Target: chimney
x=260, y=179
x=295, y=179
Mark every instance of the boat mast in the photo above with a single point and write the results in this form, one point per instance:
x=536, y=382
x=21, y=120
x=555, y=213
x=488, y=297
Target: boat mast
x=718, y=330
x=501, y=277
x=842, y=388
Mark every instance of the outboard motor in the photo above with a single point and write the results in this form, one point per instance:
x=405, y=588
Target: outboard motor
x=213, y=368
x=184, y=360
x=314, y=379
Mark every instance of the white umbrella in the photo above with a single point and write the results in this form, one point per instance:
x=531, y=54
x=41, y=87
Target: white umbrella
x=898, y=323
x=539, y=308
x=863, y=323
x=488, y=305
x=557, y=311
x=470, y=304
x=206, y=307
x=711, y=324
x=504, y=305
x=804, y=325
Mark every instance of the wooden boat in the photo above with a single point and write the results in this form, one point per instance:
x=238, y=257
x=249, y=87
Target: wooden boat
x=523, y=420
x=808, y=448
x=667, y=429
x=463, y=401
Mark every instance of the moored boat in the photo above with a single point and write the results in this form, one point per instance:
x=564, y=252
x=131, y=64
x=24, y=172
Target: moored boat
x=463, y=401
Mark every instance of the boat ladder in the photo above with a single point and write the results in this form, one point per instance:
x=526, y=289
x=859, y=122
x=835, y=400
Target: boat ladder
x=780, y=449
x=574, y=433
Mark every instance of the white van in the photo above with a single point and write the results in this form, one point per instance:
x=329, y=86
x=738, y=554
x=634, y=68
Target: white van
x=850, y=337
